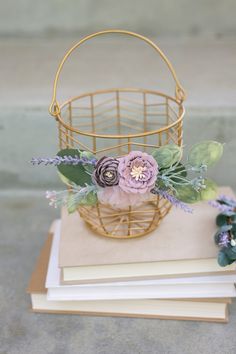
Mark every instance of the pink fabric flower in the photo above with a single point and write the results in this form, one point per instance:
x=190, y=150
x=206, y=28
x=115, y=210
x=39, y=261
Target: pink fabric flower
x=118, y=199
x=138, y=172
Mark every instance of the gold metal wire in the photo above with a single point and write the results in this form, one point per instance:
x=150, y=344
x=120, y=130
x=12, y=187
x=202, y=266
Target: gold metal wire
x=113, y=122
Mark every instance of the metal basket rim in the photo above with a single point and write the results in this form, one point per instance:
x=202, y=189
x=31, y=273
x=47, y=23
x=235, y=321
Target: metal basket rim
x=120, y=136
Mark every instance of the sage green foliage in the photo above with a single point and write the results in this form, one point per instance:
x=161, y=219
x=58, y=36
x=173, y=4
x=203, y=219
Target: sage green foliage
x=81, y=196
x=205, y=153
x=187, y=194
x=210, y=191
x=73, y=201
x=64, y=179
x=167, y=155
x=174, y=175
x=223, y=259
x=77, y=173
x=89, y=155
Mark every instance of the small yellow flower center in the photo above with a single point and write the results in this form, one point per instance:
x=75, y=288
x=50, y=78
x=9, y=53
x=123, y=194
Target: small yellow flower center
x=109, y=174
x=137, y=172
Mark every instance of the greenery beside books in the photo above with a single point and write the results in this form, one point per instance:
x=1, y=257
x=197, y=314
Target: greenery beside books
x=225, y=237
x=135, y=175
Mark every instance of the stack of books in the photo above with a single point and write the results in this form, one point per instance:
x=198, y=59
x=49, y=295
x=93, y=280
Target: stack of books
x=171, y=273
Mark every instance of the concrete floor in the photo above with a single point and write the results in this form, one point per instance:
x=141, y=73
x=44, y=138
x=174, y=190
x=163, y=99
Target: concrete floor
x=24, y=220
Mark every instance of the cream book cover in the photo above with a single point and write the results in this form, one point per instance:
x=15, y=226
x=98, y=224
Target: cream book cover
x=182, y=245
x=170, y=288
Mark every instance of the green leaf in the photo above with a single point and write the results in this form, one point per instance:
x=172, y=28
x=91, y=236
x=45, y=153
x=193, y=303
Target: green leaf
x=187, y=194
x=205, y=153
x=223, y=260
x=167, y=155
x=90, y=199
x=210, y=192
x=221, y=220
x=231, y=253
x=233, y=230
x=71, y=203
x=181, y=170
x=77, y=173
x=89, y=155
x=225, y=228
x=64, y=179
x=74, y=200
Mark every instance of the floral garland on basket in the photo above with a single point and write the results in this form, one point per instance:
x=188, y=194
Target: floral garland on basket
x=129, y=180
x=225, y=237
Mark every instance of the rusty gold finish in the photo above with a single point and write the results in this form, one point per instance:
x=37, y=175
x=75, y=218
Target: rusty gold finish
x=113, y=122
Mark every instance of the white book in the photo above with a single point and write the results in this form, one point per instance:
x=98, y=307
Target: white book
x=169, y=288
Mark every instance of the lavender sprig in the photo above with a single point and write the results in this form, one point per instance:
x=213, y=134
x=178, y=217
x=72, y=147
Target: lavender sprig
x=222, y=207
x=224, y=239
x=172, y=199
x=227, y=200
x=66, y=160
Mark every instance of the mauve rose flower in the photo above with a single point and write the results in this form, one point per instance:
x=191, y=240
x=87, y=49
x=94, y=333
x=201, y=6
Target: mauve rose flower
x=138, y=172
x=106, y=173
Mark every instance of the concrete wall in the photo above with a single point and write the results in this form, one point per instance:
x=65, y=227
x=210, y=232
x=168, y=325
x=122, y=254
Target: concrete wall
x=35, y=34
x=151, y=17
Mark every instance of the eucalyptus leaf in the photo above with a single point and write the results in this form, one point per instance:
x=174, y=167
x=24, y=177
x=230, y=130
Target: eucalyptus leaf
x=179, y=172
x=71, y=203
x=221, y=220
x=74, y=173
x=231, y=253
x=210, y=192
x=225, y=228
x=64, y=179
x=187, y=194
x=223, y=259
x=167, y=155
x=205, y=153
x=84, y=196
x=89, y=155
x=233, y=230
x=89, y=199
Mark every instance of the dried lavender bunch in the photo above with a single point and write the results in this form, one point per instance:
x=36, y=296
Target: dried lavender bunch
x=66, y=160
x=172, y=199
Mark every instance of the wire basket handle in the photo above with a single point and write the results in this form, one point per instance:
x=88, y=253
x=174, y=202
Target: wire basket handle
x=54, y=108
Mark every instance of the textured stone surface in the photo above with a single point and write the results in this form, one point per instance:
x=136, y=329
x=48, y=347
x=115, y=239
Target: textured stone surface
x=153, y=17
x=24, y=221
x=205, y=67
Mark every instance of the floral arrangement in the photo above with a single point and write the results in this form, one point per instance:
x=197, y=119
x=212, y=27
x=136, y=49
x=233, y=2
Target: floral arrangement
x=130, y=180
x=225, y=237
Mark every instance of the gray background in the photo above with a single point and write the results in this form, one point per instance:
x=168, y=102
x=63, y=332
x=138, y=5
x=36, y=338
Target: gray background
x=199, y=37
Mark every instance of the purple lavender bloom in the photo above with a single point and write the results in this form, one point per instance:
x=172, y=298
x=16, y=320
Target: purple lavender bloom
x=223, y=239
x=176, y=202
x=222, y=207
x=227, y=200
x=66, y=160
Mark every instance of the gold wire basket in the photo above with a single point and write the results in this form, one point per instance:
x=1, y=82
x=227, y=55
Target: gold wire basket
x=113, y=122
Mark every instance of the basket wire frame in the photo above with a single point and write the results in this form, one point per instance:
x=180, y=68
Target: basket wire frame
x=112, y=123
